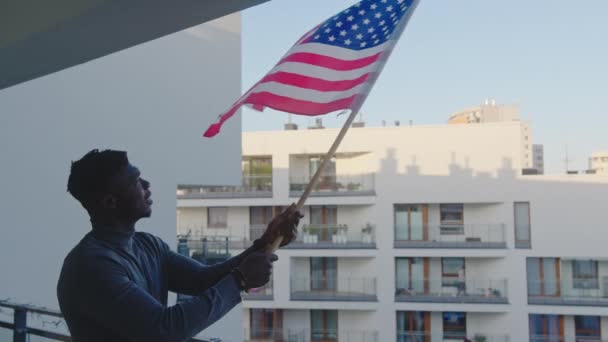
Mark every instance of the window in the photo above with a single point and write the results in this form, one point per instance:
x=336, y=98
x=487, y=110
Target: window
x=584, y=274
x=413, y=326
x=323, y=273
x=546, y=328
x=259, y=218
x=260, y=215
x=257, y=173
x=266, y=323
x=452, y=272
x=411, y=222
x=454, y=326
x=217, y=217
x=328, y=177
x=522, y=224
x=543, y=277
x=587, y=328
x=324, y=325
x=411, y=276
x=452, y=218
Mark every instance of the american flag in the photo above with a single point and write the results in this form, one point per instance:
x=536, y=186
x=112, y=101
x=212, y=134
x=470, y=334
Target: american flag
x=332, y=67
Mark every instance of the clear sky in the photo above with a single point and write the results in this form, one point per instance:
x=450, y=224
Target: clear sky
x=550, y=56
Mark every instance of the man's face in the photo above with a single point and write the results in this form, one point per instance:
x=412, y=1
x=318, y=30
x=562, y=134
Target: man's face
x=132, y=195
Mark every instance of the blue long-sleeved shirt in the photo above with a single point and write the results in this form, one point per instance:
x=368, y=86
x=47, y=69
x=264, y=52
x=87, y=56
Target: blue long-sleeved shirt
x=114, y=286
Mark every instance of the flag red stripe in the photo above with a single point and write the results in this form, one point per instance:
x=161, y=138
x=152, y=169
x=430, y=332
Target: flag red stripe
x=301, y=107
x=282, y=103
x=314, y=83
x=330, y=62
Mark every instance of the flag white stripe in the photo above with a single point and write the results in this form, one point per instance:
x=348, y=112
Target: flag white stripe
x=324, y=73
x=338, y=52
x=307, y=94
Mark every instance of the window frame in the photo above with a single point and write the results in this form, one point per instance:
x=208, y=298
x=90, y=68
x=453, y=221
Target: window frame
x=585, y=281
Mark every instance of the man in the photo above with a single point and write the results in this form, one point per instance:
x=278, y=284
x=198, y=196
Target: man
x=114, y=283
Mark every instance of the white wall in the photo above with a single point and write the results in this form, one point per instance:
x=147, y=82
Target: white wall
x=154, y=100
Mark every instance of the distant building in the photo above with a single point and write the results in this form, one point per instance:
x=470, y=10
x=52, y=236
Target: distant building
x=538, y=158
x=491, y=112
x=598, y=163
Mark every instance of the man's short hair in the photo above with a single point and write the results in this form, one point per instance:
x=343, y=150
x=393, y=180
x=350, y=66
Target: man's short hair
x=92, y=174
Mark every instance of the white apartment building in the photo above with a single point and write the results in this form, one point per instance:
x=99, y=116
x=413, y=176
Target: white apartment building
x=414, y=233
x=598, y=163
x=488, y=112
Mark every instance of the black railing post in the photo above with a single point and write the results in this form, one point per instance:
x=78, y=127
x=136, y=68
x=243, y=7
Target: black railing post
x=20, y=322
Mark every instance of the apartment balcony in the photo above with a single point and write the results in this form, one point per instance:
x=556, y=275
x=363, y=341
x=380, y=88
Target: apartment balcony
x=274, y=335
x=468, y=292
x=334, y=236
x=555, y=338
x=261, y=293
x=304, y=335
x=451, y=236
x=256, y=186
x=408, y=336
x=334, y=289
x=571, y=292
x=335, y=185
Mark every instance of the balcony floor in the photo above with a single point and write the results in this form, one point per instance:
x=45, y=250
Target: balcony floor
x=451, y=299
x=456, y=244
x=330, y=245
x=331, y=296
x=594, y=302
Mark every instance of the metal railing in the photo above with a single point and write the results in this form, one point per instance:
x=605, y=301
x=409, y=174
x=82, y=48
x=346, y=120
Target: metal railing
x=577, y=292
x=275, y=335
x=334, y=289
x=452, y=236
x=334, y=236
x=22, y=330
x=413, y=336
x=335, y=185
x=251, y=186
x=452, y=291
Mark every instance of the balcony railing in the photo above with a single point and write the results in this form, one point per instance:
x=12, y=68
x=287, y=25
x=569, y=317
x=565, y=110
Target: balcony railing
x=334, y=236
x=470, y=291
x=275, y=335
x=411, y=336
x=305, y=335
x=22, y=331
x=334, y=289
x=452, y=236
x=586, y=293
x=254, y=186
x=261, y=293
x=335, y=185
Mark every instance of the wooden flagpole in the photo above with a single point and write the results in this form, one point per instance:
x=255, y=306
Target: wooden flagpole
x=315, y=179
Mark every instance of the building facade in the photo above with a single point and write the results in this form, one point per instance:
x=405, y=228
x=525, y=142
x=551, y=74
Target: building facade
x=598, y=163
x=488, y=112
x=414, y=233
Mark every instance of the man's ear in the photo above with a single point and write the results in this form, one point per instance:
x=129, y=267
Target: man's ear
x=109, y=202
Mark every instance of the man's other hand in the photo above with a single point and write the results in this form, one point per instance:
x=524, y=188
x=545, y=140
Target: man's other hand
x=256, y=269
